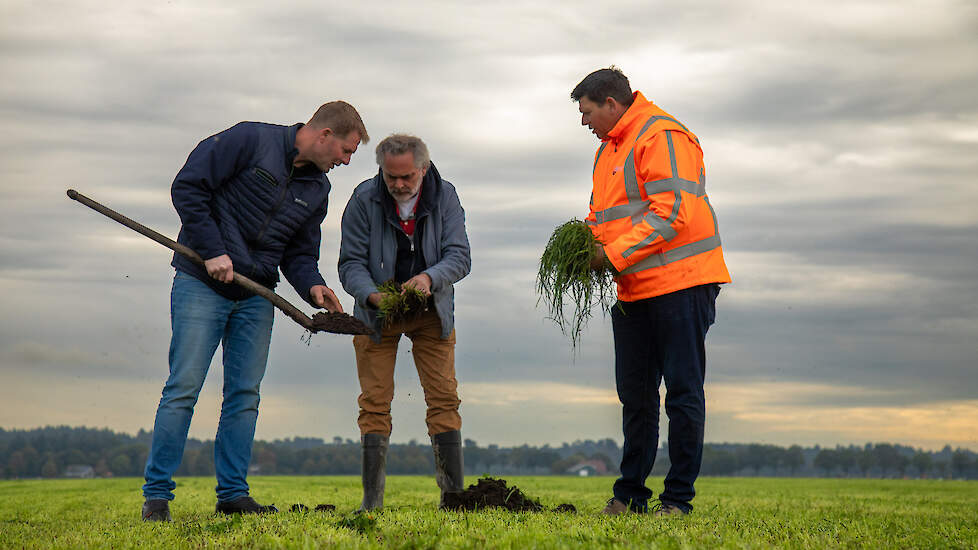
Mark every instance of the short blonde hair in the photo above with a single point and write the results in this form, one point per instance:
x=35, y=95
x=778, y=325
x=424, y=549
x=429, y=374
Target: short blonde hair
x=341, y=118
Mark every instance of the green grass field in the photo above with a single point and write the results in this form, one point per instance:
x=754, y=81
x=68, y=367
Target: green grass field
x=730, y=513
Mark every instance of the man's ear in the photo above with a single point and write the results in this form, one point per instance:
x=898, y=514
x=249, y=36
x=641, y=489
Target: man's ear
x=325, y=133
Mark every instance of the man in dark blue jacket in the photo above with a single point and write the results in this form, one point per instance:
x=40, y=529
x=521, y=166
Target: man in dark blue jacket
x=251, y=200
x=406, y=224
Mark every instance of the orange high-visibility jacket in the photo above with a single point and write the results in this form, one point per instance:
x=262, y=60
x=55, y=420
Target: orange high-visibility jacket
x=649, y=206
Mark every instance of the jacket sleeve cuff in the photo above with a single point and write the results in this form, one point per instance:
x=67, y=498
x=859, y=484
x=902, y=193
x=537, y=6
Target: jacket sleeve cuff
x=616, y=259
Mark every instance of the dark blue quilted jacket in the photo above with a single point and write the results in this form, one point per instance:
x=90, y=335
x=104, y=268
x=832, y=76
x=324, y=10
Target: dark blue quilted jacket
x=238, y=194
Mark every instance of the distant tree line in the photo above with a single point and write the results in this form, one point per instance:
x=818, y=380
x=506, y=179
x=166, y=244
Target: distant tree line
x=50, y=451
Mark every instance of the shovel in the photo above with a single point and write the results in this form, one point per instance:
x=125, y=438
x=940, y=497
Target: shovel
x=337, y=323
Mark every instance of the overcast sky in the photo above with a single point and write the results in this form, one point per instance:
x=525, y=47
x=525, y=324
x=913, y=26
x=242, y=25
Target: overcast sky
x=840, y=138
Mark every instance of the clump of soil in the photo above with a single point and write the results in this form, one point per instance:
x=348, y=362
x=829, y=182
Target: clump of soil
x=491, y=493
x=398, y=303
x=338, y=323
x=566, y=507
x=298, y=508
x=325, y=508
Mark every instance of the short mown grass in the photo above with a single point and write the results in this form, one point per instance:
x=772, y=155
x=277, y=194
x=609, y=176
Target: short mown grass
x=730, y=513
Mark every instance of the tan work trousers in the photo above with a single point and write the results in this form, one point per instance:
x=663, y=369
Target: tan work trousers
x=435, y=361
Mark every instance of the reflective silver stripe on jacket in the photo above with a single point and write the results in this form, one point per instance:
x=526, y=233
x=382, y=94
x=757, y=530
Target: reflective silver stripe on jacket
x=662, y=227
x=598, y=156
x=636, y=207
x=679, y=253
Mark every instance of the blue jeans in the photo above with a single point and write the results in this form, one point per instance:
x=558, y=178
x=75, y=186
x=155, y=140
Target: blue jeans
x=200, y=319
x=656, y=339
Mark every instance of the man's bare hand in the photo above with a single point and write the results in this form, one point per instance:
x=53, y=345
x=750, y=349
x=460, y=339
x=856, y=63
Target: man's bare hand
x=220, y=268
x=374, y=299
x=600, y=259
x=421, y=281
x=323, y=297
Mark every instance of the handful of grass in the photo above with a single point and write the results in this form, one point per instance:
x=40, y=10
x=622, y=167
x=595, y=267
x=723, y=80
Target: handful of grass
x=400, y=304
x=565, y=275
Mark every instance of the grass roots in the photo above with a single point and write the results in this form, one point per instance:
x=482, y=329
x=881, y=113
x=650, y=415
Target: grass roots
x=566, y=282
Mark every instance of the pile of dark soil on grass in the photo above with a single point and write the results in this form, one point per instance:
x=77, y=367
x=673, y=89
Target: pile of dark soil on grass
x=493, y=493
x=338, y=323
x=566, y=507
x=302, y=508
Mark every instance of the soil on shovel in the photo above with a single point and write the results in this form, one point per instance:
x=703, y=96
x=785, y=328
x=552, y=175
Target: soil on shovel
x=491, y=493
x=338, y=323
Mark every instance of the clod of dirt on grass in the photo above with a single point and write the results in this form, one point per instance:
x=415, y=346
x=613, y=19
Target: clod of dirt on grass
x=398, y=303
x=299, y=507
x=566, y=507
x=565, y=275
x=491, y=493
x=325, y=508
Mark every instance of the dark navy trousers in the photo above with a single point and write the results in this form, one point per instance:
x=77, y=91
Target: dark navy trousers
x=656, y=339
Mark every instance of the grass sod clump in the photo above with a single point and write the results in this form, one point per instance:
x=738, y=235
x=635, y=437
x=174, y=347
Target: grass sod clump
x=800, y=513
x=566, y=282
x=399, y=304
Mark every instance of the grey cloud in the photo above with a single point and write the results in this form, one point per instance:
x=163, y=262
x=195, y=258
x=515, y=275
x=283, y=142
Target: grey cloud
x=834, y=150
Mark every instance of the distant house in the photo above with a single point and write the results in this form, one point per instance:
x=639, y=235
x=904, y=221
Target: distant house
x=588, y=468
x=83, y=471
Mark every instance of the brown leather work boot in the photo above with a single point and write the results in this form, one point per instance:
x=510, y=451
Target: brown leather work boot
x=615, y=507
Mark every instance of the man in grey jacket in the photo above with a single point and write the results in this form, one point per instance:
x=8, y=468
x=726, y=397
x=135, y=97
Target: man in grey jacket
x=406, y=224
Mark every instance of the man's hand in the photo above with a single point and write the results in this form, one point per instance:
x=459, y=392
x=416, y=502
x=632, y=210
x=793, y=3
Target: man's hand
x=421, y=281
x=374, y=299
x=220, y=268
x=323, y=297
x=600, y=259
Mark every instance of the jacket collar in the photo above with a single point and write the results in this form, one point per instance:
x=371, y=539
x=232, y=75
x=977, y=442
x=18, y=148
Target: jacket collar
x=288, y=142
x=631, y=117
x=310, y=169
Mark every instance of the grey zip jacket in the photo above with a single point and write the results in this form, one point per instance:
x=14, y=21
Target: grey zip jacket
x=368, y=247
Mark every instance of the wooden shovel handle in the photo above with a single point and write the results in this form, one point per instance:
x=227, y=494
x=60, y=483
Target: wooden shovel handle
x=281, y=303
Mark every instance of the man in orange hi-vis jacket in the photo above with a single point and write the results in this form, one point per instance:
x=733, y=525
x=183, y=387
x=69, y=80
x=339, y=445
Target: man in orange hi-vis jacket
x=650, y=212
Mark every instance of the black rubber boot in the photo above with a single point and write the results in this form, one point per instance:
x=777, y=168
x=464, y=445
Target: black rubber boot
x=449, y=468
x=157, y=509
x=244, y=505
x=373, y=470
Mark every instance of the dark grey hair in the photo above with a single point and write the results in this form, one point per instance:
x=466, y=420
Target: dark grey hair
x=602, y=84
x=398, y=144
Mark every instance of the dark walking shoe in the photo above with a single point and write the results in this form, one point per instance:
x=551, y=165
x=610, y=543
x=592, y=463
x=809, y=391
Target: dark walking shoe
x=663, y=509
x=157, y=509
x=615, y=507
x=244, y=505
